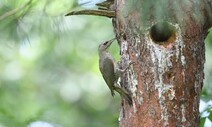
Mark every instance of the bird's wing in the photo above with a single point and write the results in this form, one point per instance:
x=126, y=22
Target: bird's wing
x=107, y=69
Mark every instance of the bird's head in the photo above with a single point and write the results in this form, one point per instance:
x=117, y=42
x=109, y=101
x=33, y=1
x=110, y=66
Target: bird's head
x=105, y=46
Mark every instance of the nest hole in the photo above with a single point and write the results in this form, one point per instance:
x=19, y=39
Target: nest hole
x=162, y=33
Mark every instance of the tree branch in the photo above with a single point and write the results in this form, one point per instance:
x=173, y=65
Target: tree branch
x=14, y=11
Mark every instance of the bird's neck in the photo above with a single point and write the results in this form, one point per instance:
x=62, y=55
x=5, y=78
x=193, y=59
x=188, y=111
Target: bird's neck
x=103, y=53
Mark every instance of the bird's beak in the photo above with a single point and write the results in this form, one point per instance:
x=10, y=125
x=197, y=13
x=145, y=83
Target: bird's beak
x=108, y=43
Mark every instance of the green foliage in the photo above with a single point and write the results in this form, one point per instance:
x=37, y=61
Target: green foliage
x=49, y=67
x=207, y=88
x=205, y=113
x=209, y=37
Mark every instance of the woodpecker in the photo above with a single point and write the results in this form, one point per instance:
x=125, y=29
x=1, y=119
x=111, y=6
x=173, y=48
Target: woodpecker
x=111, y=71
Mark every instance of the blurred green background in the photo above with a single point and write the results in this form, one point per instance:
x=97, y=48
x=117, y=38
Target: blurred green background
x=49, y=66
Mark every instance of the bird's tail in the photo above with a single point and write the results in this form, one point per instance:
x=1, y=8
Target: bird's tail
x=124, y=94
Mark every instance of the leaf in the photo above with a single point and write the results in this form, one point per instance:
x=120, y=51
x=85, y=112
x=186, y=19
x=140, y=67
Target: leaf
x=202, y=121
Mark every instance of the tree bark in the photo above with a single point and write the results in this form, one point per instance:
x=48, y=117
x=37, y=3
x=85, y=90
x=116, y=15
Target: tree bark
x=168, y=53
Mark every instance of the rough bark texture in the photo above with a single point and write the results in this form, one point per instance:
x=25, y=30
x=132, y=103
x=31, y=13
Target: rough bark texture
x=166, y=79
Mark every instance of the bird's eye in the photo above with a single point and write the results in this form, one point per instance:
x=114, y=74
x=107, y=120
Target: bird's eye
x=105, y=43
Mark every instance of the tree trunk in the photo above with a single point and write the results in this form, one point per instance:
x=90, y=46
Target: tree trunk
x=168, y=52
